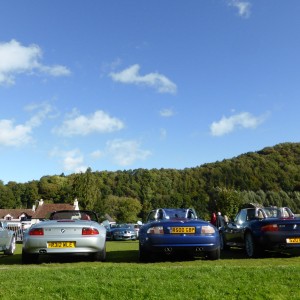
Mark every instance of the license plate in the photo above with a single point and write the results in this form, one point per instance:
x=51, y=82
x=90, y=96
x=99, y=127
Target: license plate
x=61, y=244
x=182, y=230
x=293, y=241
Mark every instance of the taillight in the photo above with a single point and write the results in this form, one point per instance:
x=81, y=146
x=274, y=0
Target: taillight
x=156, y=230
x=207, y=230
x=90, y=231
x=270, y=227
x=36, y=231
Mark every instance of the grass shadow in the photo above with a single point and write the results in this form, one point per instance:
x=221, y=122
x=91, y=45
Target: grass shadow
x=238, y=253
x=10, y=259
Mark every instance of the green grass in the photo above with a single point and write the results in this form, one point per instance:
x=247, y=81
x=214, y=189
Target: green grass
x=276, y=276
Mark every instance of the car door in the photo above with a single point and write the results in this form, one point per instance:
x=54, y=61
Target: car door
x=235, y=230
x=3, y=237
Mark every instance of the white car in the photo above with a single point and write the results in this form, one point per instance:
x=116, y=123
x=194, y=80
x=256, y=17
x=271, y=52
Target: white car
x=68, y=232
x=7, y=240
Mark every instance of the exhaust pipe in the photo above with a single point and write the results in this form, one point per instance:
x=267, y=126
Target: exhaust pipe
x=43, y=251
x=199, y=249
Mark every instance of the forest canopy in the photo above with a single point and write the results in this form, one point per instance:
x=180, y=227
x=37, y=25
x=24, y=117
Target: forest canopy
x=270, y=176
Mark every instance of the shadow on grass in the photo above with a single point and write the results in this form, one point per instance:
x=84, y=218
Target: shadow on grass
x=237, y=253
x=10, y=259
x=131, y=256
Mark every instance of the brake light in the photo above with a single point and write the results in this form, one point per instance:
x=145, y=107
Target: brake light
x=36, y=231
x=270, y=227
x=207, y=230
x=156, y=230
x=90, y=231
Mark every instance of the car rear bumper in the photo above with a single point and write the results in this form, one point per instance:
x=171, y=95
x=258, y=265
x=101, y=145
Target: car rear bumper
x=83, y=245
x=277, y=240
x=194, y=243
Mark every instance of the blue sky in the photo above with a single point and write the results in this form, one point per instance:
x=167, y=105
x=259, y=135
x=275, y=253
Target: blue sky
x=127, y=84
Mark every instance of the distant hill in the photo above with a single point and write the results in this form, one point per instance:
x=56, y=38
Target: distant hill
x=272, y=168
x=270, y=176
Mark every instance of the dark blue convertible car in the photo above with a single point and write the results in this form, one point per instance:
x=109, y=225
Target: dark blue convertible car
x=170, y=231
x=257, y=229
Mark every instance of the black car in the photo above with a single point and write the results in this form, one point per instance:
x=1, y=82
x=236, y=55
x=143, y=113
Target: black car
x=259, y=229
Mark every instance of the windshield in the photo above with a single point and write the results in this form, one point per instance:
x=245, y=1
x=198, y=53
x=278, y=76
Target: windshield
x=74, y=215
x=272, y=212
x=129, y=226
x=179, y=214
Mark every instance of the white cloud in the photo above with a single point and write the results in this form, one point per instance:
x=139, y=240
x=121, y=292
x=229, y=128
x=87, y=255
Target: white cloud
x=14, y=135
x=20, y=134
x=96, y=154
x=167, y=112
x=99, y=121
x=242, y=120
x=16, y=59
x=131, y=76
x=163, y=133
x=72, y=160
x=125, y=153
x=243, y=7
x=43, y=111
x=55, y=70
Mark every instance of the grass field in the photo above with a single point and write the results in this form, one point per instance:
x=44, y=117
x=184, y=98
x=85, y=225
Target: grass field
x=276, y=276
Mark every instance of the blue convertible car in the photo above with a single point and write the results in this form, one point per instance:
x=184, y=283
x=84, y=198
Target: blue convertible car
x=257, y=229
x=169, y=231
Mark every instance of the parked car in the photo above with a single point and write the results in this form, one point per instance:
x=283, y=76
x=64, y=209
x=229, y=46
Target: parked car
x=279, y=212
x=170, y=231
x=123, y=232
x=67, y=232
x=257, y=229
x=7, y=240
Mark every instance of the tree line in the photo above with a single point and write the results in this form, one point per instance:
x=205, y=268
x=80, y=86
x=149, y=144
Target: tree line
x=270, y=176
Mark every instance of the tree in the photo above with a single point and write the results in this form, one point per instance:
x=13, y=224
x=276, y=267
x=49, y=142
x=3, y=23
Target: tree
x=86, y=189
x=17, y=190
x=122, y=209
x=31, y=194
x=7, y=199
x=50, y=187
x=227, y=201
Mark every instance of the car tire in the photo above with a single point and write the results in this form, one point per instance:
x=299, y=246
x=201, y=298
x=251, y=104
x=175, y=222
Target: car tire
x=214, y=255
x=28, y=258
x=99, y=255
x=252, y=249
x=12, y=247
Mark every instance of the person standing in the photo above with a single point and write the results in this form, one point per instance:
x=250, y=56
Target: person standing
x=213, y=219
x=220, y=222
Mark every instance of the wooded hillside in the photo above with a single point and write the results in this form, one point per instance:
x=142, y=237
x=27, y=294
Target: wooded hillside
x=270, y=176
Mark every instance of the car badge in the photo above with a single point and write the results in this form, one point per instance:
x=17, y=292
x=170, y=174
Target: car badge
x=295, y=227
x=168, y=250
x=63, y=230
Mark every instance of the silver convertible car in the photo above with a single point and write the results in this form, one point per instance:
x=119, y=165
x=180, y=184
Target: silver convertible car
x=67, y=232
x=7, y=240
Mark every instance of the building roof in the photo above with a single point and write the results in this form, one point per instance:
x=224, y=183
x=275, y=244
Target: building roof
x=16, y=213
x=43, y=211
